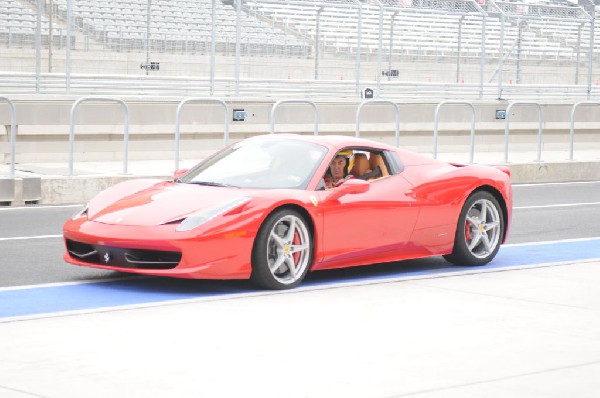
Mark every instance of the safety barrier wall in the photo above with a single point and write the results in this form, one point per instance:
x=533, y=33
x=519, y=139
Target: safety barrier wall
x=41, y=121
x=10, y=187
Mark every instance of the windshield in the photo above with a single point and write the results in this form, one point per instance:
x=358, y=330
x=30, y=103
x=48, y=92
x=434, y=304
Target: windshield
x=260, y=163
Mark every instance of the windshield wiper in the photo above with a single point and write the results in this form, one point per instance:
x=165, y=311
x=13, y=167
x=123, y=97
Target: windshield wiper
x=212, y=184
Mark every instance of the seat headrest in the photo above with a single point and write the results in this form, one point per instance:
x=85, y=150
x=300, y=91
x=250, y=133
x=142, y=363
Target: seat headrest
x=361, y=165
x=375, y=161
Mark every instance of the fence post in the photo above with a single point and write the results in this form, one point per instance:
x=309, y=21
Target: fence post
x=435, y=127
x=507, y=122
x=572, y=130
x=293, y=101
x=125, y=134
x=178, y=119
x=359, y=110
x=13, y=133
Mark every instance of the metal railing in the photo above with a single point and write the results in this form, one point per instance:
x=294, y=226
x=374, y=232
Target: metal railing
x=293, y=101
x=507, y=129
x=178, y=121
x=72, y=129
x=13, y=133
x=435, y=126
x=379, y=102
x=572, y=130
x=275, y=106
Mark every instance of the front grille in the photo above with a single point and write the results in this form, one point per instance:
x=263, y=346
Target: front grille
x=123, y=258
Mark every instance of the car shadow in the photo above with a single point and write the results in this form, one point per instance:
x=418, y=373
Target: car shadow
x=173, y=288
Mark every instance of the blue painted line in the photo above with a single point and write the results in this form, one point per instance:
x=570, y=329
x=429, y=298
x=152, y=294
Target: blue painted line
x=140, y=291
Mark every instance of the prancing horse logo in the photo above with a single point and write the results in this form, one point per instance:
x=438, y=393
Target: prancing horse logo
x=107, y=257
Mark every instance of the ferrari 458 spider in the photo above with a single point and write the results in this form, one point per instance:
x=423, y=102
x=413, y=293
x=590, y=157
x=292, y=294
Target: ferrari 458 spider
x=271, y=208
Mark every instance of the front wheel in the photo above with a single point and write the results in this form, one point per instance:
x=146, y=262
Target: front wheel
x=479, y=231
x=282, y=251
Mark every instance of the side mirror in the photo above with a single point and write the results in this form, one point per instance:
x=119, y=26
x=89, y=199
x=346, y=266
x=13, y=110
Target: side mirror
x=350, y=187
x=178, y=173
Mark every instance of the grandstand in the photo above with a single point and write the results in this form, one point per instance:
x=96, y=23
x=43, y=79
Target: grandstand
x=439, y=41
x=413, y=53
x=180, y=26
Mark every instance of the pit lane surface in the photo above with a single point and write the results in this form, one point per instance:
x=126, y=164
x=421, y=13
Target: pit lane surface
x=529, y=332
x=32, y=248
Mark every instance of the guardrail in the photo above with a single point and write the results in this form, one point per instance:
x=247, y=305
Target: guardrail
x=506, y=128
x=197, y=100
x=275, y=107
x=72, y=129
x=435, y=126
x=13, y=133
x=379, y=102
x=119, y=85
x=293, y=101
x=572, y=131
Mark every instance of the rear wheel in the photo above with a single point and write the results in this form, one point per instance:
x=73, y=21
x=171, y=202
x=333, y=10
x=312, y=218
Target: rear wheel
x=479, y=231
x=282, y=251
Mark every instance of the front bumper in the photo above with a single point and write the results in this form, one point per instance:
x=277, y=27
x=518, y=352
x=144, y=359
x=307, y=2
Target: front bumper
x=223, y=253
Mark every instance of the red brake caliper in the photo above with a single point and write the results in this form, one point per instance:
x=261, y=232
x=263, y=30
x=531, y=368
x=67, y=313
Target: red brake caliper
x=295, y=242
x=468, y=230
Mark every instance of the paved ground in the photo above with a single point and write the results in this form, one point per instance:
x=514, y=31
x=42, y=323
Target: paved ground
x=419, y=329
x=512, y=333
x=528, y=330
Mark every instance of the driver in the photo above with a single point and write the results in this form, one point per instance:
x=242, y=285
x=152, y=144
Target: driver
x=339, y=169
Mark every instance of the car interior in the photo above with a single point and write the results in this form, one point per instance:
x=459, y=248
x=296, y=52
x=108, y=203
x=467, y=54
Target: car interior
x=369, y=166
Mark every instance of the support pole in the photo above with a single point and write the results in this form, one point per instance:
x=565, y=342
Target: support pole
x=213, y=46
x=238, y=38
x=317, y=42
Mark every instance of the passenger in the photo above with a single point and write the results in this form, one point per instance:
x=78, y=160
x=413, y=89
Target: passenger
x=339, y=169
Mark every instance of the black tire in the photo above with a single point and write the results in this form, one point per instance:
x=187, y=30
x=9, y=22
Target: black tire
x=479, y=231
x=283, y=251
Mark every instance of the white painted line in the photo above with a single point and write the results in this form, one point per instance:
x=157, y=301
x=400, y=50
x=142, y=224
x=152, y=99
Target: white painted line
x=557, y=205
x=553, y=242
x=83, y=282
x=31, y=237
x=300, y=289
x=555, y=183
x=38, y=207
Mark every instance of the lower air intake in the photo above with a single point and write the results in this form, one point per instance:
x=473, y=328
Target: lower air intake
x=123, y=257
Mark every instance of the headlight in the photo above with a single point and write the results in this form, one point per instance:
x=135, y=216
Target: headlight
x=197, y=219
x=83, y=213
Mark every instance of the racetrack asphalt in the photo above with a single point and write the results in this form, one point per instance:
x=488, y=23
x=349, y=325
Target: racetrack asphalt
x=526, y=325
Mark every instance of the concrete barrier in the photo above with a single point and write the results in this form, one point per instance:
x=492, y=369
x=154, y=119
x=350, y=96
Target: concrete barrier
x=31, y=189
x=7, y=190
x=43, y=127
x=541, y=172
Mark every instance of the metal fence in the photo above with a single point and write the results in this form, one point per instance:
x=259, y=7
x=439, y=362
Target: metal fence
x=398, y=48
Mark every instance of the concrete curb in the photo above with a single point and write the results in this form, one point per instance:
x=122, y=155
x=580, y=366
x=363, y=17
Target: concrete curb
x=542, y=172
x=57, y=190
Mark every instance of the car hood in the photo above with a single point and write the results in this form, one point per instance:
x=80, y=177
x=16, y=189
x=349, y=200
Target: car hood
x=158, y=203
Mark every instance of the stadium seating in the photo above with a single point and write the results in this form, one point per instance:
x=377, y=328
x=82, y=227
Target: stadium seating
x=415, y=33
x=285, y=28
x=121, y=24
x=18, y=24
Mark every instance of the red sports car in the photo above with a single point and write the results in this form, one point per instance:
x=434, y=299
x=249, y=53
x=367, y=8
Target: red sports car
x=273, y=207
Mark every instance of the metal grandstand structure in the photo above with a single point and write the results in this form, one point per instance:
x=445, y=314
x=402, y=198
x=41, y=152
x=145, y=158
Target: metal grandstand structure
x=555, y=16
x=312, y=48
